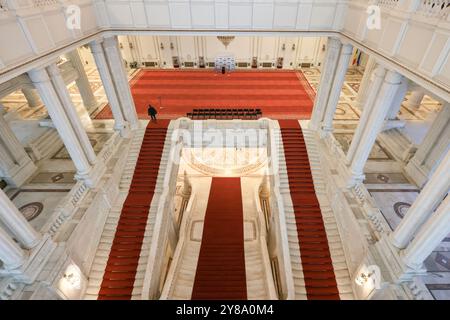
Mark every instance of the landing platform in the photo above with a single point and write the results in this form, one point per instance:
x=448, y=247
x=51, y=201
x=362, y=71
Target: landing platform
x=279, y=94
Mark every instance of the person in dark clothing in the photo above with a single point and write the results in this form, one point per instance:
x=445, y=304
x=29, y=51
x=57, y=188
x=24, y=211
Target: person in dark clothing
x=223, y=69
x=152, y=112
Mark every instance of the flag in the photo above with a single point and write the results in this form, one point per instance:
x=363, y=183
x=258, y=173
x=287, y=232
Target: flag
x=355, y=57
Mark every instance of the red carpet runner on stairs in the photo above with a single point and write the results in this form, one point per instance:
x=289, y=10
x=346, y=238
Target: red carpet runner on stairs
x=221, y=264
x=320, y=281
x=280, y=94
x=120, y=271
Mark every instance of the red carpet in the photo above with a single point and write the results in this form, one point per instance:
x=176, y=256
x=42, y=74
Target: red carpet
x=122, y=264
x=318, y=270
x=221, y=263
x=279, y=94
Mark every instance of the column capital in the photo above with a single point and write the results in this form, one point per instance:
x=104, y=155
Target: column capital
x=39, y=75
x=96, y=46
x=110, y=41
x=393, y=77
x=334, y=42
x=380, y=72
x=53, y=70
x=347, y=48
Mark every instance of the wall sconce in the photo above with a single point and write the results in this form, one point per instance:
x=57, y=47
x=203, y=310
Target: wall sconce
x=171, y=46
x=130, y=45
x=120, y=45
x=161, y=46
x=293, y=46
x=283, y=47
x=363, y=278
x=323, y=47
x=72, y=277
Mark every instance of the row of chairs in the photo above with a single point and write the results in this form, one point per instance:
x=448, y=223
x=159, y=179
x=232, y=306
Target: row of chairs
x=224, y=114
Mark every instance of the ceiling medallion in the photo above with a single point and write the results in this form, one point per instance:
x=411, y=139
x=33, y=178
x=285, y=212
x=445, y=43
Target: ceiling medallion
x=226, y=40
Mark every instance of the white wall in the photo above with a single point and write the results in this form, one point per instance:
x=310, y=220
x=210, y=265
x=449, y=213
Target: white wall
x=222, y=14
x=29, y=31
x=189, y=48
x=420, y=42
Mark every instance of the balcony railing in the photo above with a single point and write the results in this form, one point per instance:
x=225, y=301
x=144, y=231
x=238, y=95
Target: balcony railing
x=6, y=5
x=428, y=8
x=434, y=8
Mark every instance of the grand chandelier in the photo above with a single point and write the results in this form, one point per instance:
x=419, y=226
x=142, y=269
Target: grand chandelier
x=226, y=40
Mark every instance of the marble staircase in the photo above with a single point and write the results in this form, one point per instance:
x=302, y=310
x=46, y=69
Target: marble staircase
x=104, y=248
x=334, y=241
x=257, y=286
x=336, y=249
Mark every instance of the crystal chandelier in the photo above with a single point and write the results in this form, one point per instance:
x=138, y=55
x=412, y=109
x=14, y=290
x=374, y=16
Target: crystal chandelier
x=226, y=40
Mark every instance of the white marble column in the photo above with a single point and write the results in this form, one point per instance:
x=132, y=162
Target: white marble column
x=57, y=113
x=429, y=236
x=105, y=74
x=366, y=82
x=398, y=100
x=11, y=254
x=375, y=122
x=433, y=147
x=338, y=82
x=32, y=97
x=64, y=96
x=82, y=81
x=15, y=164
x=326, y=80
x=415, y=99
x=378, y=78
x=14, y=220
x=423, y=206
x=120, y=80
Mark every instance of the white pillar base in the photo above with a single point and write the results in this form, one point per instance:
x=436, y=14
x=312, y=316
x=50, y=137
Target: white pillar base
x=92, y=178
x=417, y=172
x=324, y=132
x=354, y=179
x=124, y=130
x=394, y=266
x=20, y=174
x=393, y=124
x=36, y=261
x=415, y=100
x=135, y=126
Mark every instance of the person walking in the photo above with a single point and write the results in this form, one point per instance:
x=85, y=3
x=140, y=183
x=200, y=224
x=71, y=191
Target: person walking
x=152, y=112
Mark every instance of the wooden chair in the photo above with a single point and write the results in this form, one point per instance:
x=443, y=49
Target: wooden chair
x=223, y=113
x=258, y=113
